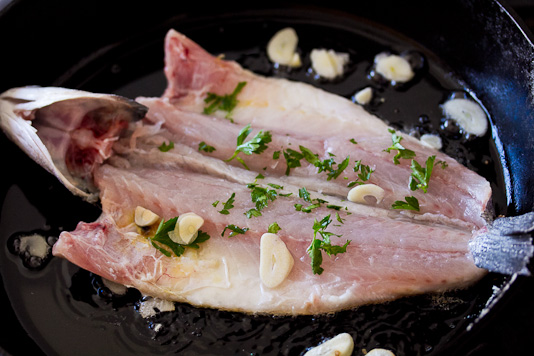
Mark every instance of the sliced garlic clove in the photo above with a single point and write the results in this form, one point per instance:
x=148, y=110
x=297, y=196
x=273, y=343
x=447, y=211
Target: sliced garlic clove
x=364, y=96
x=380, y=352
x=275, y=260
x=394, y=68
x=187, y=227
x=145, y=217
x=433, y=141
x=340, y=345
x=174, y=235
x=282, y=48
x=327, y=63
x=468, y=114
x=358, y=193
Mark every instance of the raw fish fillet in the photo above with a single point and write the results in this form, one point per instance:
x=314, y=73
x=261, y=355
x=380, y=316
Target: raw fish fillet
x=387, y=258
x=391, y=254
x=319, y=120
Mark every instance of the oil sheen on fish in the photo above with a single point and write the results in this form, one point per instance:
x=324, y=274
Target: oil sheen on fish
x=389, y=253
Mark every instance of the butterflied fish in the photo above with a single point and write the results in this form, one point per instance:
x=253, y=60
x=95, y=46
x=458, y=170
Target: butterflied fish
x=335, y=254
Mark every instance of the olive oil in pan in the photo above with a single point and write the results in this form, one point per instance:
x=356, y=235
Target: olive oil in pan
x=68, y=310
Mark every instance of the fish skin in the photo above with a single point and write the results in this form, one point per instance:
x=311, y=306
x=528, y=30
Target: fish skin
x=47, y=122
x=301, y=110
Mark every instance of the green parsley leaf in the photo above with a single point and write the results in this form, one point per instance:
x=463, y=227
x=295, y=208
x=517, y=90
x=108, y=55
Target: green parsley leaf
x=411, y=203
x=204, y=147
x=309, y=208
x=401, y=151
x=260, y=176
x=292, y=159
x=317, y=245
x=223, y=102
x=164, y=147
x=420, y=176
x=252, y=212
x=161, y=239
x=363, y=176
x=304, y=194
x=228, y=205
x=442, y=163
x=234, y=230
x=338, y=218
x=256, y=145
x=274, y=228
x=353, y=141
x=334, y=173
x=215, y=203
x=276, y=154
x=335, y=207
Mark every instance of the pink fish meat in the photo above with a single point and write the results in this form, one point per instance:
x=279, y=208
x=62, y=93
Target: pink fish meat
x=389, y=253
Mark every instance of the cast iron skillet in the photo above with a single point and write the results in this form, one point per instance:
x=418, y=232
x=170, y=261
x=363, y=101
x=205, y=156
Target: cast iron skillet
x=57, y=43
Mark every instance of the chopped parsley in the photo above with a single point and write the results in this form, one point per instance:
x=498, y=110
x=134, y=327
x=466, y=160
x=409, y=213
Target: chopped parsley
x=303, y=193
x=442, y=163
x=420, y=176
x=161, y=239
x=314, y=203
x=229, y=204
x=401, y=151
x=164, y=147
x=410, y=203
x=256, y=145
x=234, y=230
x=224, y=103
x=276, y=154
x=205, y=147
x=363, y=176
x=274, y=228
x=260, y=197
x=335, y=207
x=353, y=141
x=318, y=245
x=293, y=159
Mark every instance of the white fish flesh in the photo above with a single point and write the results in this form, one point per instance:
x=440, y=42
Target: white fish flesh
x=390, y=254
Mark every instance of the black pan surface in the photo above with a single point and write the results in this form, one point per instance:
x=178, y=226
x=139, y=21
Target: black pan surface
x=119, y=49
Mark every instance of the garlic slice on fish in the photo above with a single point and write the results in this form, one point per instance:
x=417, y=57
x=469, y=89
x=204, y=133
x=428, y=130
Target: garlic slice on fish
x=145, y=217
x=467, y=114
x=188, y=225
x=45, y=121
x=275, y=260
x=186, y=229
x=394, y=68
x=282, y=48
x=328, y=63
x=358, y=193
x=340, y=345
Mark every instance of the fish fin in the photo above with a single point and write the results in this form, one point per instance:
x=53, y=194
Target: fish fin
x=506, y=247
